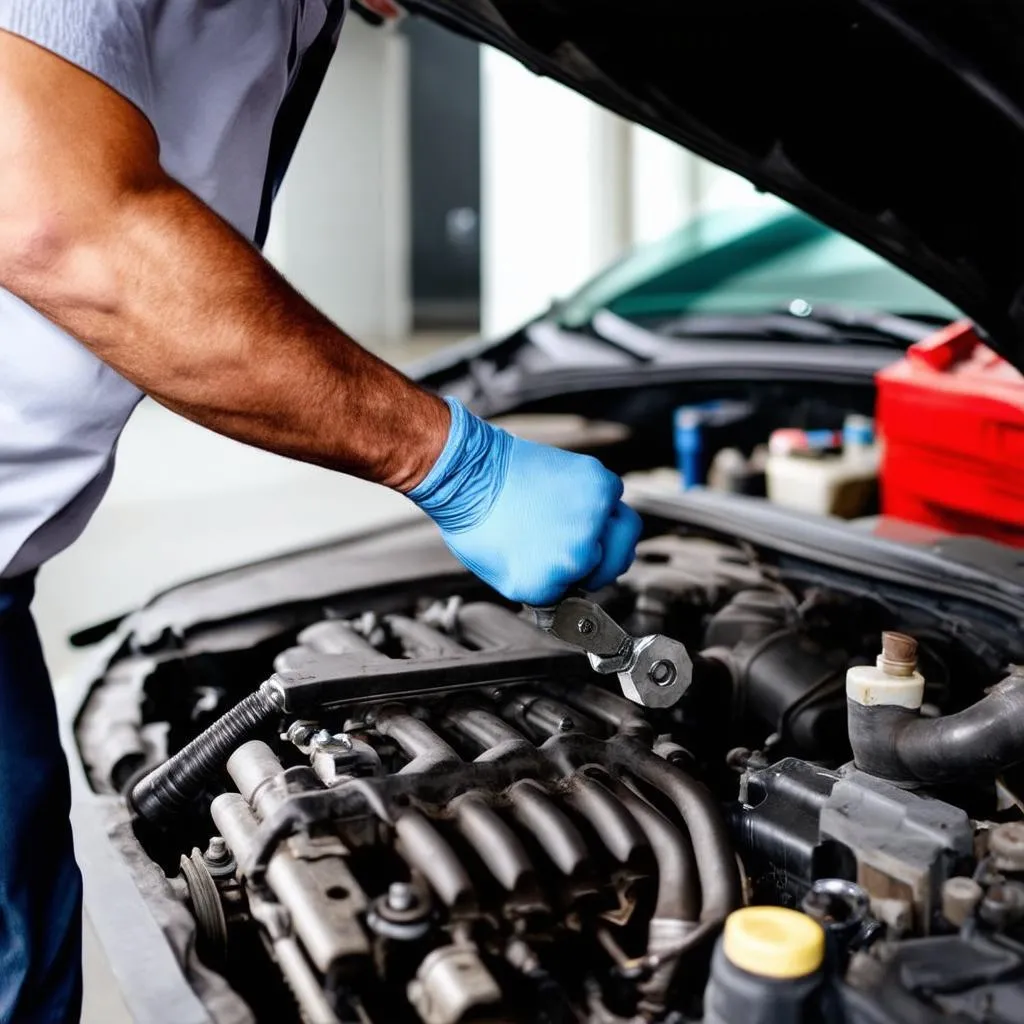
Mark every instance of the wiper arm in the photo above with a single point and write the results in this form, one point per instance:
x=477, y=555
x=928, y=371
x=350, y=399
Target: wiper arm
x=649, y=344
x=907, y=329
x=828, y=324
x=750, y=326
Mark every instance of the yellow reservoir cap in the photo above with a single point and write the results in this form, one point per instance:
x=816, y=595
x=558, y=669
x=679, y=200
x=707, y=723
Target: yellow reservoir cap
x=773, y=942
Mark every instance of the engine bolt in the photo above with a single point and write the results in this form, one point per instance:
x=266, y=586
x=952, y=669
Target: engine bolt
x=566, y=724
x=323, y=737
x=1003, y=904
x=585, y=626
x=217, y=852
x=299, y=733
x=401, y=896
x=662, y=673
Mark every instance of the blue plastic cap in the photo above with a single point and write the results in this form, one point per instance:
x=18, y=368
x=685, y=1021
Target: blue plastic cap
x=858, y=430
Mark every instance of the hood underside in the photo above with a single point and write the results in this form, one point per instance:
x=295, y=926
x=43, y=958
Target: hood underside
x=898, y=122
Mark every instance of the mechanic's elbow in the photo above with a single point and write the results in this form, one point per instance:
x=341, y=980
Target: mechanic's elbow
x=46, y=262
x=33, y=245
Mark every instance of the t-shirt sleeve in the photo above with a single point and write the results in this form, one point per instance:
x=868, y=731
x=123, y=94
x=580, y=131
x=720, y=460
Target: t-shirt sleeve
x=107, y=38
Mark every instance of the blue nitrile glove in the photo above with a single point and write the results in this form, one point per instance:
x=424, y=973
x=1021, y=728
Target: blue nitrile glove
x=530, y=520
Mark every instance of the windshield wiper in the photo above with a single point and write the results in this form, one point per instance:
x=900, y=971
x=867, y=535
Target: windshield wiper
x=828, y=324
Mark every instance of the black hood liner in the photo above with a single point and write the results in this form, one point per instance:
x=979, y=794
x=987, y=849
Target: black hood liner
x=898, y=122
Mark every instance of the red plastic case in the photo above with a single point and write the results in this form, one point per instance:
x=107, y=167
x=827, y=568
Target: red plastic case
x=951, y=415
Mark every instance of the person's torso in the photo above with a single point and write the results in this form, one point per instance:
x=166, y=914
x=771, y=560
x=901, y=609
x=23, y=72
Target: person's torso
x=217, y=73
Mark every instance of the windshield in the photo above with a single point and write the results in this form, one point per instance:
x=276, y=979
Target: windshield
x=750, y=260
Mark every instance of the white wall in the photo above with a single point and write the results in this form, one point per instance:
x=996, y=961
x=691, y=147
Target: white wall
x=340, y=230
x=568, y=187
x=667, y=185
x=553, y=195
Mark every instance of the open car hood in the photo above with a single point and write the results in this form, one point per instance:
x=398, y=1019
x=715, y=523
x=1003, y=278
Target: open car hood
x=898, y=122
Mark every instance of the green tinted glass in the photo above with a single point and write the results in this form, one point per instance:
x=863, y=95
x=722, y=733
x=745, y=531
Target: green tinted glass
x=749, y=260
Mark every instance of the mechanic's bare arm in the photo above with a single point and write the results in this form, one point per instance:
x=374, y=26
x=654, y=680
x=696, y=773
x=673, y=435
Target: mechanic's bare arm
x=99, y=239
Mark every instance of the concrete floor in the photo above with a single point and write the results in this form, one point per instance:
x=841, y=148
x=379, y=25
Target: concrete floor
x=185, y=502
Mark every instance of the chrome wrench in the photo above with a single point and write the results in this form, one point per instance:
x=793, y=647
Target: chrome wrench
x=654, y=671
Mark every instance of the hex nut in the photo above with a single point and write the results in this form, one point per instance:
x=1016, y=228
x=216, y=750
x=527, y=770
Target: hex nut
x=639, y=681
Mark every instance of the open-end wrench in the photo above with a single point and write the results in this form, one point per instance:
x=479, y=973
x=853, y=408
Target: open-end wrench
x=654, y=671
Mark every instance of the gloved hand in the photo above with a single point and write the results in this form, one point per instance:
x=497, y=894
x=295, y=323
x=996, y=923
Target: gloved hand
x=530, y=520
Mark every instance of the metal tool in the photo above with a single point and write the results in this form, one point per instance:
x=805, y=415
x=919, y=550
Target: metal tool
x=654, y=671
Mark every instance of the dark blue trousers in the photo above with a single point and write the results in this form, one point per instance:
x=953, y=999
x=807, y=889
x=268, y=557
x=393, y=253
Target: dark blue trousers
x=40, y=886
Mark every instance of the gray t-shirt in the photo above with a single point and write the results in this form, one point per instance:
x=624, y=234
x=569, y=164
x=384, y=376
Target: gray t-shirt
x=210, y=76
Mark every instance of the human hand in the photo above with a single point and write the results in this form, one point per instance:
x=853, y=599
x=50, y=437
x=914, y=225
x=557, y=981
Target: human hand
x=530, y=520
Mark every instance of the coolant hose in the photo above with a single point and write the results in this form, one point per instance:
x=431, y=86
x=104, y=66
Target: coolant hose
x=984, y=739
x=173, y=785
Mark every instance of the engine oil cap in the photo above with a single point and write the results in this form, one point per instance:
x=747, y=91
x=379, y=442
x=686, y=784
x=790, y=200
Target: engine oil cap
x=773, y=942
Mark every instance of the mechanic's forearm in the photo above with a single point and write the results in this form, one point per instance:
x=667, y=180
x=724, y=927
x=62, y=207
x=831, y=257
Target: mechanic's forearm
x=169, y=295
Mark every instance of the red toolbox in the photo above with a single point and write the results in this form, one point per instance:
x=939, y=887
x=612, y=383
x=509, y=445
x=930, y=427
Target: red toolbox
x=951, y=418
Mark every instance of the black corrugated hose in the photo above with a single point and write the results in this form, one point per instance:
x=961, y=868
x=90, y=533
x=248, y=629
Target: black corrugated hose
x=177, y=782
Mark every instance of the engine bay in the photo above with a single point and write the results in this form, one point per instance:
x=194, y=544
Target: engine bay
x=411, y=805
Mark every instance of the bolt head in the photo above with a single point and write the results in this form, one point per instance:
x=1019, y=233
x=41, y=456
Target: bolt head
x=566, y=724
x=401, y=896
x=299, y=733
x=638, y=681
x=585, y=626
x=217, y=851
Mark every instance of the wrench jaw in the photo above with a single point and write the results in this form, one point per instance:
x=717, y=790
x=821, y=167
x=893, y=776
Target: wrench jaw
x=610, y=664
x=654, y=671
x=659, y=674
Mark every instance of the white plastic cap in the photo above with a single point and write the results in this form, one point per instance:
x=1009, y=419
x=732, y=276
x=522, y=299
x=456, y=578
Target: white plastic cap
x=871, y=686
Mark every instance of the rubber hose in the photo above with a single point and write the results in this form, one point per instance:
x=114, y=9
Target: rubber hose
x=173, y=785
x=983, y=739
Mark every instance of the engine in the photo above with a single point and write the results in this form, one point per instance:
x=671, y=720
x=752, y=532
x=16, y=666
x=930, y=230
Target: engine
x=430, y=811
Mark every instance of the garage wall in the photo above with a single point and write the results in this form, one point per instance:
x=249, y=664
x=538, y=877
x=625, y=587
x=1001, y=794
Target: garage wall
x=568, y=187
x=667, y=185
x=553, y=199
x=340, y=230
